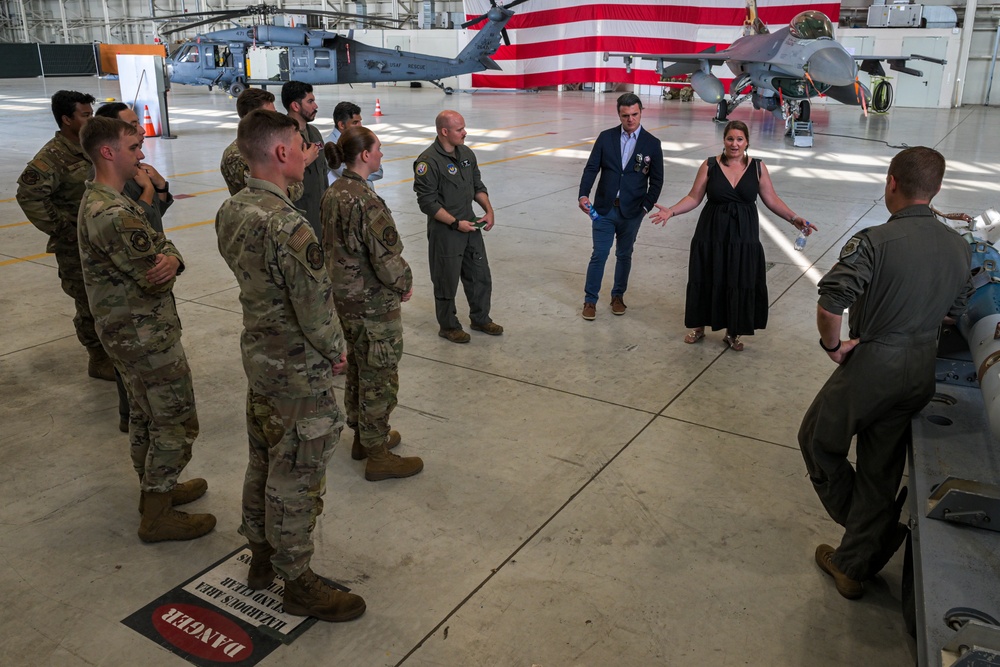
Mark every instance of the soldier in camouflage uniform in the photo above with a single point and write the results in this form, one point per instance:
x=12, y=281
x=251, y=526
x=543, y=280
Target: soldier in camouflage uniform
x=292, y=347
x=49, y=192
x=233, y=167
x=370, y=279
x=152, y=193
x=129, y=270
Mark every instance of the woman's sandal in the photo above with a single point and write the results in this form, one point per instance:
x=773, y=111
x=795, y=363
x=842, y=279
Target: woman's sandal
x=694, y=336
x=734, y=343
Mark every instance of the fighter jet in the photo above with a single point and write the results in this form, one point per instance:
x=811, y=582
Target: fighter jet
x=779, y=71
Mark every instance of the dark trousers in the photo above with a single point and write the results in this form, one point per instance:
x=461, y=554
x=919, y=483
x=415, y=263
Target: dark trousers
x=874, y=396
x=608, y=229
x=455, y=256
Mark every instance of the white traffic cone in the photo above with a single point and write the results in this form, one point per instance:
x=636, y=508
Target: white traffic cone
x=378, y=108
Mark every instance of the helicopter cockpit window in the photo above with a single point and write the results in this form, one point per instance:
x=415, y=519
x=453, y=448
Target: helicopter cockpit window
x=322, y=58
x=811, y=25
x=190, y=55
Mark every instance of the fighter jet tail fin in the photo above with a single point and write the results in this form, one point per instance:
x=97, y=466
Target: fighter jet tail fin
x=752, y=25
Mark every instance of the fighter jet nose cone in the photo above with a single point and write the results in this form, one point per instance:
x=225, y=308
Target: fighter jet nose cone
x=832, y=66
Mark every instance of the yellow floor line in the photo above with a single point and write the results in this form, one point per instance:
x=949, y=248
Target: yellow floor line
x=24, y=259
x=15, y=224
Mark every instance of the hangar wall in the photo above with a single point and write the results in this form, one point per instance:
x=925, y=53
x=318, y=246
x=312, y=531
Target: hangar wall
x=120, y=21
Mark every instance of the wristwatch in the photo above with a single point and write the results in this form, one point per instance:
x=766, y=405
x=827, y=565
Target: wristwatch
x=165, y=188
x=454, y=225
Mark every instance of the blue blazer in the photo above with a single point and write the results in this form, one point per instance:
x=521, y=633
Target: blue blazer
x=637, y=186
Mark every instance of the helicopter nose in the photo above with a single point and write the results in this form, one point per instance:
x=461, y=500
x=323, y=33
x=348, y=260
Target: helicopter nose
x=833, y=66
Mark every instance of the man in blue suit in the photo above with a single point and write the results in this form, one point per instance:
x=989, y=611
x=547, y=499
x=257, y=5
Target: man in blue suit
x=630, y=162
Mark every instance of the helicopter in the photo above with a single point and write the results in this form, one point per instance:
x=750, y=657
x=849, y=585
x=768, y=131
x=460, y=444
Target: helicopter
x=782, y=70
x=266, y=54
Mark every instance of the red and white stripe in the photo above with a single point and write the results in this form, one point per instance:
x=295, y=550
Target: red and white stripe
x=557, y=42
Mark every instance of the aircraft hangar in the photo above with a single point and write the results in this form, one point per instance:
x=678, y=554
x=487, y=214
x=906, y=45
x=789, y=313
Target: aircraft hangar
x=595, y=492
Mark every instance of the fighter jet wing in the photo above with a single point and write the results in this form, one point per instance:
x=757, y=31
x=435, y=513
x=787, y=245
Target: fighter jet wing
x=873, y=64
x=683, y=63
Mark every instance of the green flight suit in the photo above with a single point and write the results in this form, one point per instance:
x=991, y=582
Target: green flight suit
x=451, y=182
x=899, y=280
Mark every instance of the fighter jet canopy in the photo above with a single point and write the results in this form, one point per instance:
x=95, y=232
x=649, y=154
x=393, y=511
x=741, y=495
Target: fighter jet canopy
x=811, y=25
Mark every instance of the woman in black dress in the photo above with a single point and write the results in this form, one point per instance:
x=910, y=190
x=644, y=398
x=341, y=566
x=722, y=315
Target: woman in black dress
x=727, y=288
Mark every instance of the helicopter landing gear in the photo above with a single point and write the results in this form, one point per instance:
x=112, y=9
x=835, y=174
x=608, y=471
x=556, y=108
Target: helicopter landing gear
x=235, y=88
x=448, y=90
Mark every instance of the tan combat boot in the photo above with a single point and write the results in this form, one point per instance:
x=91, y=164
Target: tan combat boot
x=261, y=573
x=160, y=521
x=182, y=493
x=359, y=453
x=383, y=464
x=100, y=365
x=308, y=595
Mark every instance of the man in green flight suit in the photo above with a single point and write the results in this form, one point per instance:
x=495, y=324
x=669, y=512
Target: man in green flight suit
x=447, y=181
x=49, y=192
x=299, y=101
x=899, y=280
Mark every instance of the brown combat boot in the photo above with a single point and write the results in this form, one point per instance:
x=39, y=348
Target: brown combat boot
x=383, y=464
x=261, y=573
x=100, y=365
x=308, y=595
x=359, y=453
x=182, y=493
x=160, y=521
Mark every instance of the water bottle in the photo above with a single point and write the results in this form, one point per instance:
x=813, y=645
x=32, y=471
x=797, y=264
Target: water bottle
x=800, y=242
x=594, y=215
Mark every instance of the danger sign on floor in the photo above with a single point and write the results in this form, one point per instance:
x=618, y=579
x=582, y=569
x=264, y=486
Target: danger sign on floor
x=214, y=618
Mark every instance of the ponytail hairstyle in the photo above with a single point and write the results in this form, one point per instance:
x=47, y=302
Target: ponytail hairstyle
x=353, y=141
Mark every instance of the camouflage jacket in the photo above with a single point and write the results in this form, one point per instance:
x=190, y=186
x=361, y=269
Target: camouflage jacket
x=236, y=172
x=290, y=330
x=363, y=251
x=51, y=186
x=117, y=247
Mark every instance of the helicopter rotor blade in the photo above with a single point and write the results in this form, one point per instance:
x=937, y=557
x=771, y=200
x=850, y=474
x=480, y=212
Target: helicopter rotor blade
x=506, y=39
x=197, y=24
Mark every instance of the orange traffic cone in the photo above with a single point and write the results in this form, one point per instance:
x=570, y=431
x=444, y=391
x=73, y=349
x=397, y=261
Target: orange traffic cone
x=147, y=123
x=378, y=108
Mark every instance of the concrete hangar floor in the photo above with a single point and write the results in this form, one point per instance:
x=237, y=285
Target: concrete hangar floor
x=595, y=493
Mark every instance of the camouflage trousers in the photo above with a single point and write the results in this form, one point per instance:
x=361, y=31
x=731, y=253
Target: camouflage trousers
x=291, y=442
x=371, y=383
x=163, y=422
x=67, y=252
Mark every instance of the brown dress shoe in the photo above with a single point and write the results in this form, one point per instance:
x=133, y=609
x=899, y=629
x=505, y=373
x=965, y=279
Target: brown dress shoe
x=358, y=451
x=455, y=335
x=491, y=328
x=617, y=305
x=849, y=588
x=589, y=311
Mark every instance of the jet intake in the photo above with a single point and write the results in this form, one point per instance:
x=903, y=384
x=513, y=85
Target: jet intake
x=708, y=87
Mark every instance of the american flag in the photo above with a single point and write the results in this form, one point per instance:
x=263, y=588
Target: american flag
x=557, y=42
